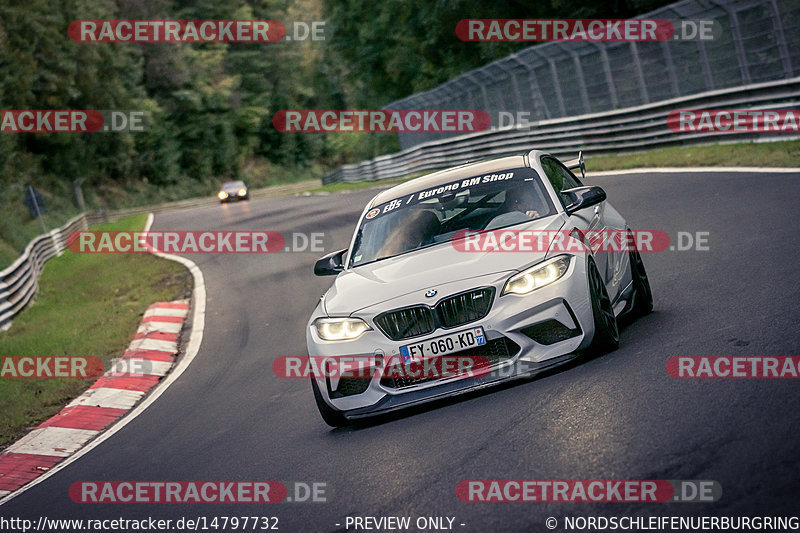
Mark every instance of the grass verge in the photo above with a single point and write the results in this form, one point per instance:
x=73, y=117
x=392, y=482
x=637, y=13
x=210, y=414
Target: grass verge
x=89, y=305
x=18, y=228
x=772, y=154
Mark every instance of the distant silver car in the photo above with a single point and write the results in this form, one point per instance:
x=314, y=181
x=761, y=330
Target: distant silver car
x=410, y=294
x=233, y=190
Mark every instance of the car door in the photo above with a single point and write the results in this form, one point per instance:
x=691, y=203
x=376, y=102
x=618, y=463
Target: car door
x=611, y=262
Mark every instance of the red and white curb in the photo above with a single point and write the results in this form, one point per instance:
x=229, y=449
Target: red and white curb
x=148, y=357
x=190, y=351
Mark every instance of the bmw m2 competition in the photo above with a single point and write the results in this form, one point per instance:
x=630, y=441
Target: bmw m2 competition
x=468, y=277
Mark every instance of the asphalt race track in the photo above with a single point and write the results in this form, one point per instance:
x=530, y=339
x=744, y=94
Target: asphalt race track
x=619, y=416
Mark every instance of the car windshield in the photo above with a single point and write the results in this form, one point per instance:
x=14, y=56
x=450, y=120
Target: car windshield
x=233, y=185
x=433, y=216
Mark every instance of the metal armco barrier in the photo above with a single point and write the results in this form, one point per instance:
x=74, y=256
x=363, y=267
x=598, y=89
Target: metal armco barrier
x=628, y=129
x=20, y=281
x=754, y=41
x=610, y=96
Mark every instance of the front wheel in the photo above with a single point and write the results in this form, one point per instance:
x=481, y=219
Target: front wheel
x=331, y=416
x=606, y=331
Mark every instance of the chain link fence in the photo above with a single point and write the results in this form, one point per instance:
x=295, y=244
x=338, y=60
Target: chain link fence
x=754, y=42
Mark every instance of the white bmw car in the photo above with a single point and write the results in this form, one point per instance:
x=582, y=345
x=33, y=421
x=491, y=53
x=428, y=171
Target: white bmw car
x=448, y=286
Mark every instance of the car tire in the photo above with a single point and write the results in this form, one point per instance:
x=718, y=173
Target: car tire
x=331, y=416
x=606, y=329
x=642, y=294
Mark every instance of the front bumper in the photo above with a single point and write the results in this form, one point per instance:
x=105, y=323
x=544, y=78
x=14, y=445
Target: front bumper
x=234, y=197
x=537, y=331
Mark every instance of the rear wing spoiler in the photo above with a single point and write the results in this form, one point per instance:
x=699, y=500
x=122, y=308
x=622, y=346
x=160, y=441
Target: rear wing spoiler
x=577, y=163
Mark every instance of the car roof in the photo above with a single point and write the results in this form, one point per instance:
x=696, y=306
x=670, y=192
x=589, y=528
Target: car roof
x=451, y=174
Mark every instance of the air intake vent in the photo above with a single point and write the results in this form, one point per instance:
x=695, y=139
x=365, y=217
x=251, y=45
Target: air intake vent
x=464, y=308
x=550, y=332
x=451, y=312
x=406, y=323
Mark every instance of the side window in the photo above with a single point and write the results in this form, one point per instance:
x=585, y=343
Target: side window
x=559, y=176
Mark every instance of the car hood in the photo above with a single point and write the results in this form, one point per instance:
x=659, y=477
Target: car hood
x=428, y=268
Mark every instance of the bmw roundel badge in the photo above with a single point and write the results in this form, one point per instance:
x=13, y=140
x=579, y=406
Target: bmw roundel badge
x=431, y=293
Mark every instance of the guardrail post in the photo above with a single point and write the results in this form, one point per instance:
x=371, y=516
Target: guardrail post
x=427, y=103
x=587, y=108
x=780, y=39
x=612, y=89
x=562, y=107
x=639, y=74
x=705, y=65
x=556, y=83
x=58, y=241
x=536, y=91
x=78, y=192
x=737, y=41
x=5, y=323
x=670, y=68
x=535, y=104
x=481, y=87
x=514, y=86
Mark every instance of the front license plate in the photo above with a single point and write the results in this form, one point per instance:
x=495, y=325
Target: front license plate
x=447, y=344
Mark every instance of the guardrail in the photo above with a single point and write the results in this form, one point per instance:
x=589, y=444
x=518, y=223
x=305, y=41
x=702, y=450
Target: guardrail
x=20, y=281
x=753, y=41
x=629, y=129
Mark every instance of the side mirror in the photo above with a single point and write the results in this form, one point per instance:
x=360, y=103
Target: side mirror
x=582, y=197
x=331, y=264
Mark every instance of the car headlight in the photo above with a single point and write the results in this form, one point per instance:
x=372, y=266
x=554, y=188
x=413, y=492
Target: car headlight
x=340, y=329
x=537, y=276
x=242, y=192
x=222, y=195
